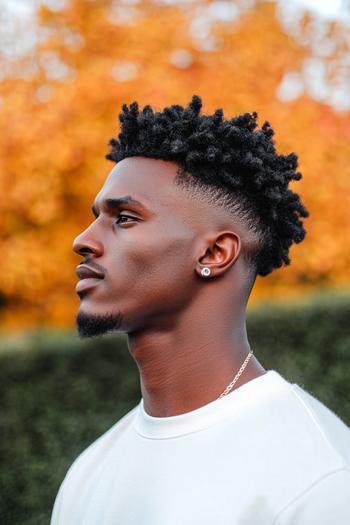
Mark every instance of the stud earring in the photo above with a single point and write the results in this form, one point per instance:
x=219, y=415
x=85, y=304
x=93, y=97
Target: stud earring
x=205, y=272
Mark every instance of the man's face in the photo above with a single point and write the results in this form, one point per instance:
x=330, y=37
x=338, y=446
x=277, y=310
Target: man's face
x=147, y=257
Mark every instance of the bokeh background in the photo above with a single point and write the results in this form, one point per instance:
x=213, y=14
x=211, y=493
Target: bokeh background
x=66, y=67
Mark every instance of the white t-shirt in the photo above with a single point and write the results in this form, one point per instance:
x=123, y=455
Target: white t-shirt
x=268, y=453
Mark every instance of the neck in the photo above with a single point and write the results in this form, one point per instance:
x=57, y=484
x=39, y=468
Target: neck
x=189, y=363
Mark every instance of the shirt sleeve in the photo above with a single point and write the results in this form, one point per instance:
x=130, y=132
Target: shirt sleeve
x=55, y=516
x=324, y=503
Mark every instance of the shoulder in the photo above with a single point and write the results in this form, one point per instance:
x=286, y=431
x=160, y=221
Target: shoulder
x=88, y=462
x=312, y=444
x=95, y=453
x=323, y=502
x=331, y=430
x=304, y=423
x=315, y=449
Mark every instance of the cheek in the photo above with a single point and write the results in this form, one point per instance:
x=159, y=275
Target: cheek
x=161, y=269
x=162, y=258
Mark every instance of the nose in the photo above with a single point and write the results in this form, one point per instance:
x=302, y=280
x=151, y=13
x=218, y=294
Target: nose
x=85, y=243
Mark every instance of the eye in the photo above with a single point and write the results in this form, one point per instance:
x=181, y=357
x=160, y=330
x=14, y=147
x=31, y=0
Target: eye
x=120, y=216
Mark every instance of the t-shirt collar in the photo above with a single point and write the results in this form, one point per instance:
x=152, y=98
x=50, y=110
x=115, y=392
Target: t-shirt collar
x=229, y=407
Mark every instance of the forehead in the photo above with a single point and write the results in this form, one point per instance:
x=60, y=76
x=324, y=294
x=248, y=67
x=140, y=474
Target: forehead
x=147, y=180
x=151, y=181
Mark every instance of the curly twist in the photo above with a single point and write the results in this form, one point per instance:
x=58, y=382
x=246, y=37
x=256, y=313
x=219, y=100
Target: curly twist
x=231, y=158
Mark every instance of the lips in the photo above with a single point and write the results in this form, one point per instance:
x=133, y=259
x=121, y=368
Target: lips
x=85, y=272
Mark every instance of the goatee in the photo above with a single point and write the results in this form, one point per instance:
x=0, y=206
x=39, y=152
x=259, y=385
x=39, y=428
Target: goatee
x=91, y=325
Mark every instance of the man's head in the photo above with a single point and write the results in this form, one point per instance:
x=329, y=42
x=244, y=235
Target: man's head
x=216, y=194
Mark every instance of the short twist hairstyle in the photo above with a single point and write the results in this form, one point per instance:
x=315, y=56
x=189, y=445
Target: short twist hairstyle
x=231, y=160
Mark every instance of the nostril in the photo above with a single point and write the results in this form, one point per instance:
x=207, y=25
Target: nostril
x=86, y=243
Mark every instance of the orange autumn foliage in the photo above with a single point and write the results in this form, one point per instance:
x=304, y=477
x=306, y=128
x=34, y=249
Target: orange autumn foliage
x=56, y=123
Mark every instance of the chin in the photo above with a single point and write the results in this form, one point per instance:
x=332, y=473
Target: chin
x=93, y=325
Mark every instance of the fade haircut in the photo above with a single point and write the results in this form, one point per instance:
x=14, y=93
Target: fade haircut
x=230, y=160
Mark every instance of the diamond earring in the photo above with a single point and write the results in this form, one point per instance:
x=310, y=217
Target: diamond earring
x=205, y=272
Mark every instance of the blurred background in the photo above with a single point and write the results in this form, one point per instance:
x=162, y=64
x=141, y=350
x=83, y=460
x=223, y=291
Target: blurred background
x=66, y=67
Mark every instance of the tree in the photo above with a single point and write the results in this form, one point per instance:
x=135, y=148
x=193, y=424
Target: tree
x=59, y=109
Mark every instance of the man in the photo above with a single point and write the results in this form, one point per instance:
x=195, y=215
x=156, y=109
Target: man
x=196, y=207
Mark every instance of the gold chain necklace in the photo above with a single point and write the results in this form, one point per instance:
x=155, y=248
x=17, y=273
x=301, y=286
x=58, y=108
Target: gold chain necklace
x=230, y=386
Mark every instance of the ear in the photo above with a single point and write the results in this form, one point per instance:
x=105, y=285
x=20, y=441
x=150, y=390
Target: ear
x=220, y=253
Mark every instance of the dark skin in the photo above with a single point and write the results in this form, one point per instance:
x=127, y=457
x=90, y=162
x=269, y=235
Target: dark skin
x=187, y=333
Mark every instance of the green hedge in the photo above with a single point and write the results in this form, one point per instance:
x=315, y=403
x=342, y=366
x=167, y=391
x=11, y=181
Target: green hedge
x=60, y=393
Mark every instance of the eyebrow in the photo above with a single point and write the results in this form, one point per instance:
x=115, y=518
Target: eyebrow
x=114, y=204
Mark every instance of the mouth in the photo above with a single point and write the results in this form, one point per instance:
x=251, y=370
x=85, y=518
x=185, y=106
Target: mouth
x=87, y=283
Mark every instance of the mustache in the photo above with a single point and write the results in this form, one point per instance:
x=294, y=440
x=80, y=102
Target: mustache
x=89, y=262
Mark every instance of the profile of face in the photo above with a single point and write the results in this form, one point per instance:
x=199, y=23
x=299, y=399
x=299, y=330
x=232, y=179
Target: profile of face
x=147, y=252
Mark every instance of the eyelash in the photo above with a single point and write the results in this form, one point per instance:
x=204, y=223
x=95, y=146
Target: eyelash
x=127, y=216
